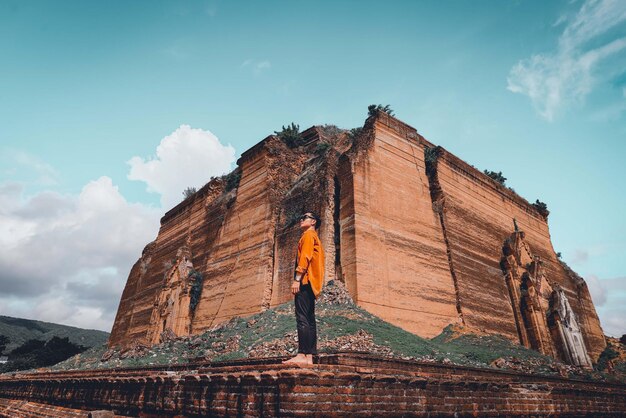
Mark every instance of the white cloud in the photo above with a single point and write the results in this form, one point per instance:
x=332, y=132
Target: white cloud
x=609, y=298
x=613, y=313
x=47, y=175
x=65, y=258
x=608, y=113
x=580, y=256
x=597, y=290
x=29, y=167
x=257, y=66
x=555, y=80
x=186, y=158
x=263, y=65
x=176, y=52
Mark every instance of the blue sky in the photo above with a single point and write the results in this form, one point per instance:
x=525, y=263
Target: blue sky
x=109, y=109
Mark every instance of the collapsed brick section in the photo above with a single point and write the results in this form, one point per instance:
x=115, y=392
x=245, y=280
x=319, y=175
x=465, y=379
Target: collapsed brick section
x=420, y=249
x=340, y=385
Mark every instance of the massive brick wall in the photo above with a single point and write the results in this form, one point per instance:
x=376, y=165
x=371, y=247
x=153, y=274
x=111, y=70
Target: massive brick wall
x=240, y=240
x=239, y=266
x=398, y=268
x=419, y=248
x=423, y=250
x=478, y=217
x=341, y=385
x=194, y=224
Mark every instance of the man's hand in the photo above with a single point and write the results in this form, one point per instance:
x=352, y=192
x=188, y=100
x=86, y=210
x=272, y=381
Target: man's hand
x=295, y=287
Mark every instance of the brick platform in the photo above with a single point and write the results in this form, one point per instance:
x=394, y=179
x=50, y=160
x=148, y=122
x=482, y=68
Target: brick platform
x=346, y=384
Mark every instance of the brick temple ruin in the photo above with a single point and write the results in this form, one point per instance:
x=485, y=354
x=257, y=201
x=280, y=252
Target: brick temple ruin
x=419, y=237
x=339, y=385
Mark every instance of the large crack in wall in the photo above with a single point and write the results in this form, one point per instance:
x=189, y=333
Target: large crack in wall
x=431, y=158
x=336, y=228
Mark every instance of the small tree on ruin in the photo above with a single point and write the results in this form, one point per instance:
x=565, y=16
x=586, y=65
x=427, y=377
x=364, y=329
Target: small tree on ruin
x=290, y=135
x=542, y=208
x=496, y=176
x=373, y=110
x=189, y=191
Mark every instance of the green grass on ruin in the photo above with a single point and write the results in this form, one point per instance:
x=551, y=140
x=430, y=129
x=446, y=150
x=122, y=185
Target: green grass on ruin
x=333, y=321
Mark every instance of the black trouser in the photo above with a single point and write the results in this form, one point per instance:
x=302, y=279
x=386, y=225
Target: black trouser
x=305, y=320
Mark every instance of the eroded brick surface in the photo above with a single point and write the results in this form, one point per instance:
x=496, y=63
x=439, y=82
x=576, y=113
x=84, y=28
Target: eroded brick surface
x=418, y=241
x=339, y=385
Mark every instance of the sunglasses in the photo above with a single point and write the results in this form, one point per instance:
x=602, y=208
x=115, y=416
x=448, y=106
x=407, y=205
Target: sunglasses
x=303, y=217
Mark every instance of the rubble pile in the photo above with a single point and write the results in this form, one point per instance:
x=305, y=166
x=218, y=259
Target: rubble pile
x=134, y=350
x=218, y=348
x=361, y=341
x=335, y=293
x=342, y=327
x=277, y=348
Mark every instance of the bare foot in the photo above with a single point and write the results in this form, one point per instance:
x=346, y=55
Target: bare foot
x=300, y=358
x=309, y=358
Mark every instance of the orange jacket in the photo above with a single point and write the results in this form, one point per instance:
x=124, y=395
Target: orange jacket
x=310, y=260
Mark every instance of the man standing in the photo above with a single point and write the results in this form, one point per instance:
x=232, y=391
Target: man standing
x=306, y=286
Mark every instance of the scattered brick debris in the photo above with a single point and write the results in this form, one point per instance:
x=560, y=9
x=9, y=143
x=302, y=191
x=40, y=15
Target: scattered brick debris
x=342, y=327
x=335, y=293
x=361, y=341
x=285, y=346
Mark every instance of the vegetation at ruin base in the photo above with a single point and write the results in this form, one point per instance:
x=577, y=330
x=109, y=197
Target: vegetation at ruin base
x=342, y=326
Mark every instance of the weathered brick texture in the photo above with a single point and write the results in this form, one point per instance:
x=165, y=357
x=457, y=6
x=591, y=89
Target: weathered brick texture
x=340, y=385
x=417, y=241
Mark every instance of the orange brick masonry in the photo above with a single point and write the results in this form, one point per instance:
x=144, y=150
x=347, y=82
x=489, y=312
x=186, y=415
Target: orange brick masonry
x=345, y=384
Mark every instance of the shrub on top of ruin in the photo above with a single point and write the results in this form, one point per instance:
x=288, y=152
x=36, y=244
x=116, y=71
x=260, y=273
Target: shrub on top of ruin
x=232, y=180
x=290, y=135
x=431, y=155
x=373, y=110
x=322, y=148
x=542, y=208
x=189, y=191
x=332, y=131
x=354, y=133
x=496, y=176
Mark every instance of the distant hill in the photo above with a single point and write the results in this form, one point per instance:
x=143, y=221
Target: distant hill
x=19, y=330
